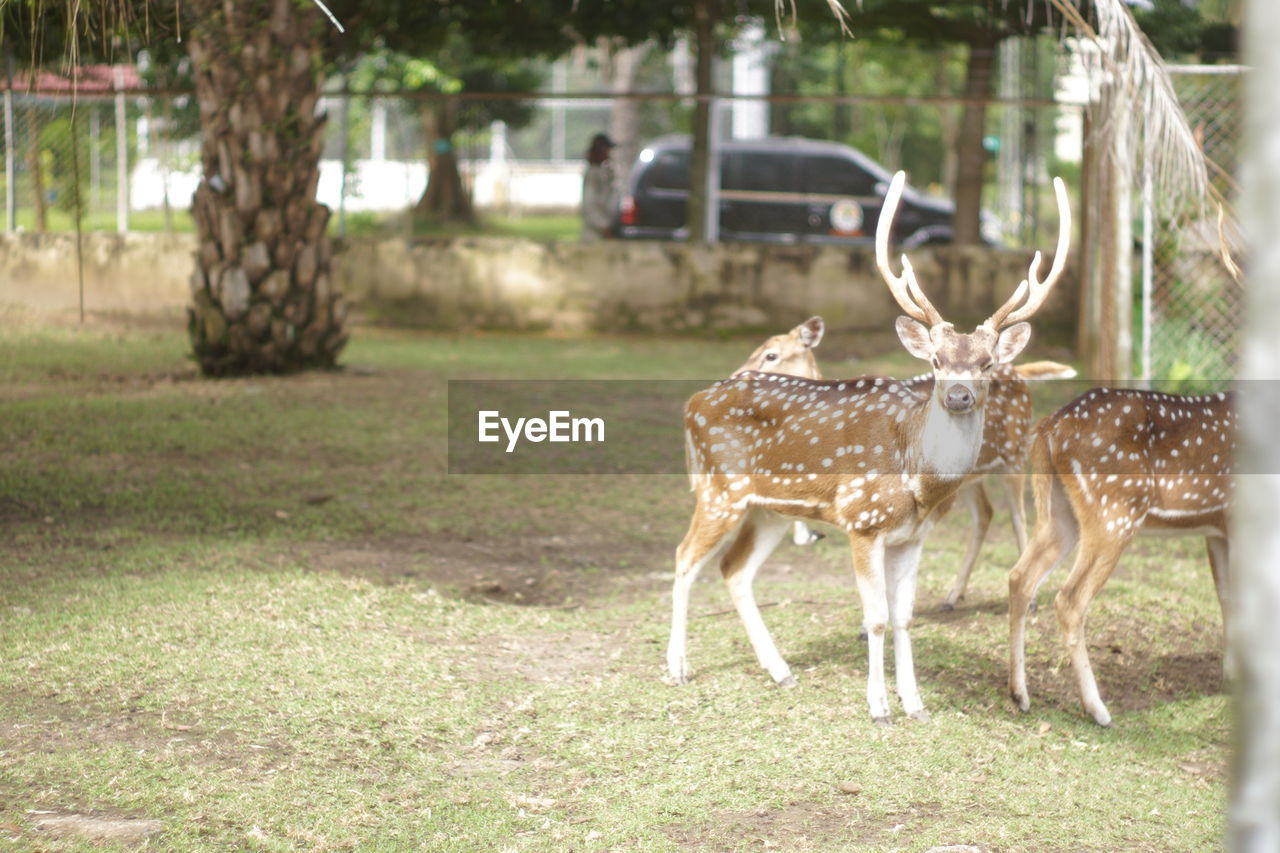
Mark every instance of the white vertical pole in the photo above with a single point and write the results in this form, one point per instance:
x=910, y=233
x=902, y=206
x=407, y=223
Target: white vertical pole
x=10, y=200
x=122, y=156
x=711, y=226
x=1148, y=250
x=1254, y=810
x=560, y=80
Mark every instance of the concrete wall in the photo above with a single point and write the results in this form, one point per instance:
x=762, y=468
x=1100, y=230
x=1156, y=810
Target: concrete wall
x=569, y=287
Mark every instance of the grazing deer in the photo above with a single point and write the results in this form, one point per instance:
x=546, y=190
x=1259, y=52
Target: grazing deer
x=869, y=455
x=1110, y=465
x=1005, y=436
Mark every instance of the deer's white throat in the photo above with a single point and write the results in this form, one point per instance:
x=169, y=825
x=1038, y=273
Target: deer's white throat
x=949, y=442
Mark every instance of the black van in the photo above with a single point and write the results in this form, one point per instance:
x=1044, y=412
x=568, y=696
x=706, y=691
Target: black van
x=778, y=190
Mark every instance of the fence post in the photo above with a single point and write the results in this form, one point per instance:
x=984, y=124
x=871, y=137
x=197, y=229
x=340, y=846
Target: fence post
x=344, y=152
x=10, y=198
x=1148, y=249
x=122, y=156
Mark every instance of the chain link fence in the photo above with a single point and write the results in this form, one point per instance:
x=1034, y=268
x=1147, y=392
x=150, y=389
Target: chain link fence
x=1190, y=316
x=130, y=160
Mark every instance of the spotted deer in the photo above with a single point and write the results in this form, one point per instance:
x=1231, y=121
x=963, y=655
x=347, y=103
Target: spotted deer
x=1111, y=465
x=1006, y=435
x=791, y=354
x=870, y=456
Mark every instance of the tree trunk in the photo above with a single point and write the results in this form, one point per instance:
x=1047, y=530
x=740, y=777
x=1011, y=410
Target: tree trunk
x=704, y=20
x=971, y=157
x=34, y=128
x=1255, y=546
x=624, y=117
x=445, y=199
x=949, y=127
x=262, y=291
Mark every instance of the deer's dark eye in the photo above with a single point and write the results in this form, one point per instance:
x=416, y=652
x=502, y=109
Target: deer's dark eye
x=771, y=356
x=987, y=365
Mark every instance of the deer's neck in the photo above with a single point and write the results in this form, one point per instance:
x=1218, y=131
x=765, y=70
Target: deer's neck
x=948, y=444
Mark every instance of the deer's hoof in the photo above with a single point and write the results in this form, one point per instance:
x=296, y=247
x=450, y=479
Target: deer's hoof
x=789, y=681
x=946, y=607
x=921, y=716
x=881, y=721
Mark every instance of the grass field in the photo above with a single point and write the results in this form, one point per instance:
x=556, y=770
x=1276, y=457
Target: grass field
x=258, y=614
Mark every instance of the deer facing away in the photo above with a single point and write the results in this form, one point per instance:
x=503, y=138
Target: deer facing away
x=1006, y=434
x=870, y=456
x=1110, y=465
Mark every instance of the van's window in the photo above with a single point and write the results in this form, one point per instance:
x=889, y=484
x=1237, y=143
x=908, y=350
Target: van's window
x=831, y=175
x=669, y=170
x=757, y=171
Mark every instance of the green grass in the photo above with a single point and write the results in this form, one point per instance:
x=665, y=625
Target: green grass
x=260, y=612
x=537, y=226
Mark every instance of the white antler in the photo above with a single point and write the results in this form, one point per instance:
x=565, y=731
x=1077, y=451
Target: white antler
x=905, y=289
x=1031, y=288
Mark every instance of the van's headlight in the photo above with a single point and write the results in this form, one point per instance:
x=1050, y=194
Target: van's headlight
x=646, y=155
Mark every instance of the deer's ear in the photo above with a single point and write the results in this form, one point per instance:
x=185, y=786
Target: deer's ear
x=915, y=337
x=1012, y=341
x=811, y=332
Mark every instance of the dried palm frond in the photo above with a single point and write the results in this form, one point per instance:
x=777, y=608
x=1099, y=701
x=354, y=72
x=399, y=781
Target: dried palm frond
x=1140, y=86
x=838, y=11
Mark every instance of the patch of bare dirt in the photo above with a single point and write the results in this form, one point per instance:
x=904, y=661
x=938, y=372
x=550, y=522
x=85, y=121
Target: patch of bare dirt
x=99, y=829
x=797, y=826
x=563, y=570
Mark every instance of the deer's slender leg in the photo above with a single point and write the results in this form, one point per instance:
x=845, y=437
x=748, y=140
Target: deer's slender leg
x=1055, y=535
x=1220, y=563
x=902, y=563
x=1014, y=486
x=760, y=534
x=709, y=534
x=868, y=572
x=975, y=497
x=1094, y=564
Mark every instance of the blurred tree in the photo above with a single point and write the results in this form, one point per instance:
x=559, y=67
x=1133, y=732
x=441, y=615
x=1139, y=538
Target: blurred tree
x=262, y=293
x=1173, y=26
x=452, y=68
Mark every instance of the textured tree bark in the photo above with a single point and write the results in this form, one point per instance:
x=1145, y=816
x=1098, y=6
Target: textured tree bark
x=971, y=157
x=262, y=291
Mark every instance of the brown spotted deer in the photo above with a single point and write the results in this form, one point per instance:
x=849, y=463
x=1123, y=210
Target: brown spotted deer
x=870, y=456
x=1006, y=435
x=791, y=354
x=1110, y=465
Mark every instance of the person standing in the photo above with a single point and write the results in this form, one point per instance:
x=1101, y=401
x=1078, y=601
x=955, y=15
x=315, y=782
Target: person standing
x=599, y=191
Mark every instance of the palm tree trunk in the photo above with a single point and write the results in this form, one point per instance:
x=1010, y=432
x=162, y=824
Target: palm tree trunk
x=262, y=292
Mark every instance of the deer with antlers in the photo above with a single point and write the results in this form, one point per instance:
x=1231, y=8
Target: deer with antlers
x=1006, y=435
x=1112, y=464
x=870, y=456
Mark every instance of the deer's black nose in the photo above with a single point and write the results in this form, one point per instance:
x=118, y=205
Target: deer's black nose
x=959, y=399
